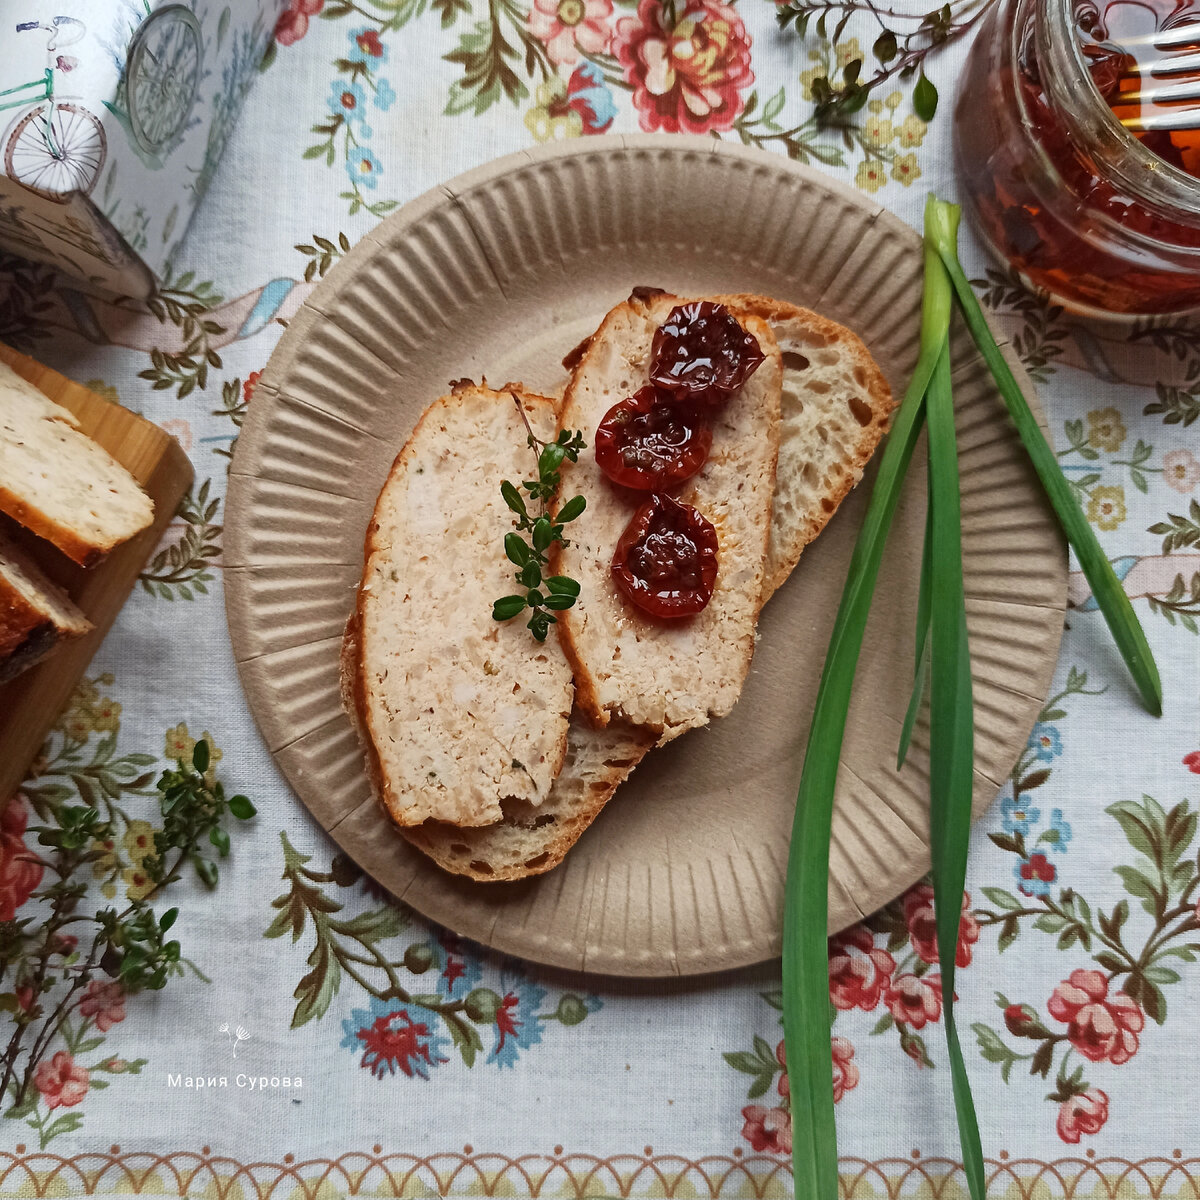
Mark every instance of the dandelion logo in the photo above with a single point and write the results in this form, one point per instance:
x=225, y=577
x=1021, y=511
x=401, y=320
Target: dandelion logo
x=236, y=1035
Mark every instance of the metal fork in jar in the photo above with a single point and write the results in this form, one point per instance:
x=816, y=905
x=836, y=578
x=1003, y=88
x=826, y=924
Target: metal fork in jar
x=1164, y=107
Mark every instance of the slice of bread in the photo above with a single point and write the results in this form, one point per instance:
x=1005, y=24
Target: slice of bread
x=668, y=676
x=35, y=616
x=816, y=351
x=60, y=484
x=531, y=841
x=461, y=713
x=836, y=406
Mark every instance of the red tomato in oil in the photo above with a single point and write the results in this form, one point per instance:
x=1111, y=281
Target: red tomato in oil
x=666, y=560
x=652, y=441
x=702, y=353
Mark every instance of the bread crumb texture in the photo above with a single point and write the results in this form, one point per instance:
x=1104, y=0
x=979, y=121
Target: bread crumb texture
x=465, y=713
x=668, y=675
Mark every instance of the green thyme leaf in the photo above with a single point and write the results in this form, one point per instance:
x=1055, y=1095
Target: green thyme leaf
x=515, y=549
x=570, y=510
x=507, y=607
x=925, y=98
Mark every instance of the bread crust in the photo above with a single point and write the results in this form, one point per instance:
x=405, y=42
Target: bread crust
x=31, y=626
x=784, y=319
x=86, y=554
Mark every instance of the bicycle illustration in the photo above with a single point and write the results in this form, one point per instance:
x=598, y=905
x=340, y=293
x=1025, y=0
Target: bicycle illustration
x=162, y=75
x=54, y=148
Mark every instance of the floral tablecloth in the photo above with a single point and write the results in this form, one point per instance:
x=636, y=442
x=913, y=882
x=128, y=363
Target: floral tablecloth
x=275, y=1065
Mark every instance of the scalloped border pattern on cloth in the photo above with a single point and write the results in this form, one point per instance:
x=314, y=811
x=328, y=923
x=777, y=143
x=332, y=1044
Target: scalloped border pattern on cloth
x=576, y=1176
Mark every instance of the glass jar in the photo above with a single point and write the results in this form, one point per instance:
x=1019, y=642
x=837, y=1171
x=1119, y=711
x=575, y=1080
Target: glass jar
x=1052, y=180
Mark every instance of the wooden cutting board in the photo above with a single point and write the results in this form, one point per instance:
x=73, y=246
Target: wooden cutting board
x=30, y=704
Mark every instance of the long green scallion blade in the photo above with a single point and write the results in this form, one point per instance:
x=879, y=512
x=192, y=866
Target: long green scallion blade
x=921, y=655
x=806, y=899
x=951, y=711
x=1110, y=595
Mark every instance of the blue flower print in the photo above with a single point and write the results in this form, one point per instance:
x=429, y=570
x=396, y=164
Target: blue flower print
x=1017, y=816
x=517, y=1020
x=1059, y=833
x=367, y=47
x=385, y=95
x=348, y=101
x=394, y=1036
x=1045, y=742
x=458, y=969
x=363, y=167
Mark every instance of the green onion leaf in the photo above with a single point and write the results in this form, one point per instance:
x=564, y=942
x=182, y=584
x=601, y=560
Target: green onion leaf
x=1110, y=595
x=806, y=897
x=921, y=656
x=563, y=585
x=515, y=549
x=571, y=510
x=951, y=714
x=507, y=607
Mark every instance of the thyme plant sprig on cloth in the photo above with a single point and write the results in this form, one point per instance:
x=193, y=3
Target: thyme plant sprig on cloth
x=45, y=970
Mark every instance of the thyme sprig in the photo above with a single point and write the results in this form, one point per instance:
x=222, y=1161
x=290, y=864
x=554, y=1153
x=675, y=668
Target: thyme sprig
x=44, y=973
x=527, y=548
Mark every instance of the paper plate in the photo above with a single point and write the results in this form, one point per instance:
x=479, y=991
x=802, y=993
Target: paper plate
x=499, y=273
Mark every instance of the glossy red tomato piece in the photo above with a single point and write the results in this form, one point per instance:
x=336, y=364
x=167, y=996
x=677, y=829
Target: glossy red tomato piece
x=652, y=441
x=702, y=352
x=666, y=560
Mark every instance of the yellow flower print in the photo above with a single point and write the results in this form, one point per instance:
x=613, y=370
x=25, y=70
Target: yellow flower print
x=894, y=100
x=549, y=120
x=106, y=716
x=1106, y=429
x=76, y=724
x=178, y=745
x=871, y=176
x=911, y=132
x=106, y=864
x=875, y=106
x=877, y=131
x=139, y=841
x=138, y=883
x=214, y=757
x=806, y=80
x=848, y=51
x=905, y=169
x=1106, y=507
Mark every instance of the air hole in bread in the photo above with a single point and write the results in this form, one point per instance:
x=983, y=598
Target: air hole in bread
x=794, y=361
x=543, y=820
x=809, y=474
x=860, y=377
x=481, y=868
x=460, y=848
x=820, y=386
x=827, y=504
x=538, y=860
x=861, y=410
